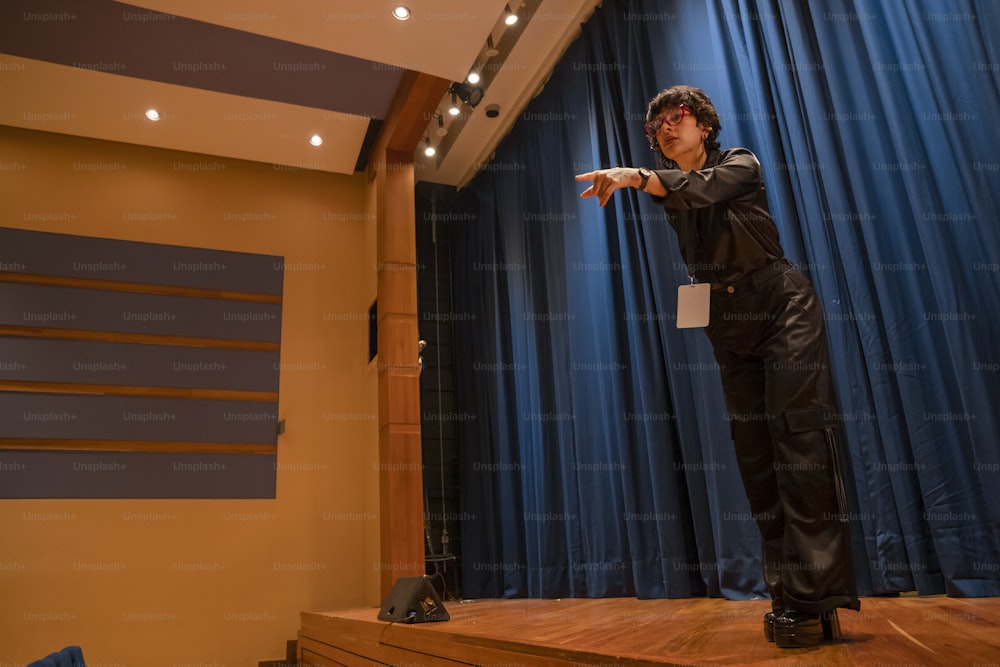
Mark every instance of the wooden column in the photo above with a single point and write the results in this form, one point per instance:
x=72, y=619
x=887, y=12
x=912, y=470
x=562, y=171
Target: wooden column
x=400, y=461
x=400, y=468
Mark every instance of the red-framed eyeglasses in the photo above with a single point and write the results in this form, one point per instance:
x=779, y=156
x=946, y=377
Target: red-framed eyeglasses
x=671, y=118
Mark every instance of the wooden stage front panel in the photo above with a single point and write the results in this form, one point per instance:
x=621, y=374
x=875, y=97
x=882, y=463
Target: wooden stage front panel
x=626, y=632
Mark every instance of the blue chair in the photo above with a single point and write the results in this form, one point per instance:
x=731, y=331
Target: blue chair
x=62, y=658
x=44, y=662
x=71, y=656
x=76, y=655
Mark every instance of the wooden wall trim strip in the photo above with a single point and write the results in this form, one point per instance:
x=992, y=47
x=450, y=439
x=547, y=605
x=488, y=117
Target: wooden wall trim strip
x=144, y=339
x=142, y=288
x=27, y=386
x=57, y=444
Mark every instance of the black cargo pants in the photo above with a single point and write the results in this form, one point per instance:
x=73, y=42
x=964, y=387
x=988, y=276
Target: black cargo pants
x=770, y=341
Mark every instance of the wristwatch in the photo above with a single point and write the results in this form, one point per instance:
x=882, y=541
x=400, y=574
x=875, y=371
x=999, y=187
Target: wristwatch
x=644, y=174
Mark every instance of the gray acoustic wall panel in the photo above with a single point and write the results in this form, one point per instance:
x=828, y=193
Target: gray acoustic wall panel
x=136, y=369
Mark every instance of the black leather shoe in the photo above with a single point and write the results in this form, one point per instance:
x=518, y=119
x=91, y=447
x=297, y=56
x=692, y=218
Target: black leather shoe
x=831, y=625
x=797, y=629
x=769, y=625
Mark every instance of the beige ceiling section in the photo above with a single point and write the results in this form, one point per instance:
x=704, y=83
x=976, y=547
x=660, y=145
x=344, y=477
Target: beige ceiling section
x=68, y=100
x=441, y=37
x=519, y=79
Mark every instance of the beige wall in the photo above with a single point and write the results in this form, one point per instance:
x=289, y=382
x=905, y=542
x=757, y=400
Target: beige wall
x=144, y=583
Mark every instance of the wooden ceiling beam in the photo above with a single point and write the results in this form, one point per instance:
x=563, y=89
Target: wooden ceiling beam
x=413, y=107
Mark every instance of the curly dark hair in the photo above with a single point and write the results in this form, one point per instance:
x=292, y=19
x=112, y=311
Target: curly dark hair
x=694, y=99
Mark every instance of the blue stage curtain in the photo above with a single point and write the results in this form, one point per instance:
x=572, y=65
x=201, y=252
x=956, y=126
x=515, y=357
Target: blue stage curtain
x=596, y=453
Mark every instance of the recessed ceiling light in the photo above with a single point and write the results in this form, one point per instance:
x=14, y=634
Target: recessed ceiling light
x=401, y=13
x=316, y=140
x=511, y=17
x=153, y=114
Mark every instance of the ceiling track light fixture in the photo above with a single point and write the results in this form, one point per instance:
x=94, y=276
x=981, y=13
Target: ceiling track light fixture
x=441, y=129
x=429, y=149
x=491, y=49
x=471, y=95
x=511, y=17
x=454, y=109
x=473, y=77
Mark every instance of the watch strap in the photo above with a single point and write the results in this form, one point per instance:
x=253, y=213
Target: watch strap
x=644, y=174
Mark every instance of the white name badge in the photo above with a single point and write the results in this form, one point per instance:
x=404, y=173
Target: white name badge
x=692, y=305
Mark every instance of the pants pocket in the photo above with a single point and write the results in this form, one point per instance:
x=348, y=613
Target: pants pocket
x=822, y=418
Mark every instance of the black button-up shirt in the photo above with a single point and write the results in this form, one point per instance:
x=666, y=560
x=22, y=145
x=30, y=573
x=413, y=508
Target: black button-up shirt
x=721, y=217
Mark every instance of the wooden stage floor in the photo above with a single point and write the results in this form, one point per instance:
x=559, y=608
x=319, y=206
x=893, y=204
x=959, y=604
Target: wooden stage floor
x=626, y=632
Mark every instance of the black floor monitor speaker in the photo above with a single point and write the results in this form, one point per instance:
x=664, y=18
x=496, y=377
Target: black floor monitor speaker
x=413, y=600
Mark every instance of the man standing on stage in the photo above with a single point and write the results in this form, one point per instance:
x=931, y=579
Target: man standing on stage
x=767, y=329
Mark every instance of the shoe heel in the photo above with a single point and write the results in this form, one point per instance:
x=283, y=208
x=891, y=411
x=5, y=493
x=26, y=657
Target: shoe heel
x=790, y=638
x=831, y=626
x=769, y=626
x=798, y=630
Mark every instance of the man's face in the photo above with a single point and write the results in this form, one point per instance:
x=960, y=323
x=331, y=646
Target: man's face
x=677, y=132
